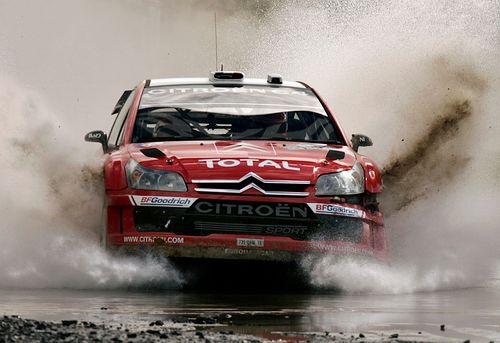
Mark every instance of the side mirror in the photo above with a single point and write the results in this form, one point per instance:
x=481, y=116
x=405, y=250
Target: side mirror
x=358, y=140
x=98, y=137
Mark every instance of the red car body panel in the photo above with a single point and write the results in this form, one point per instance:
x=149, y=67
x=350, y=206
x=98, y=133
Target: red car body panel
x=198, y=161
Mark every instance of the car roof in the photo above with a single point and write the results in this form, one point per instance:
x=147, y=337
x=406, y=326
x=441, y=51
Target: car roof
x=207, y=81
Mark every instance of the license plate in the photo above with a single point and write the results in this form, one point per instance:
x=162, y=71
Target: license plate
x=249, y=242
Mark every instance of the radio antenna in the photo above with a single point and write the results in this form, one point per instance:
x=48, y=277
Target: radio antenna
x=215, y=25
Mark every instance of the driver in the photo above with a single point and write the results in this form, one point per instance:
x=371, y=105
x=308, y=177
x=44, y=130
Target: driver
x=172, y=127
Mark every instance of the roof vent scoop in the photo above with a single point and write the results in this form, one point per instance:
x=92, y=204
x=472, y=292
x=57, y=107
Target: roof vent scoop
x=226, y=76
x=275, y=79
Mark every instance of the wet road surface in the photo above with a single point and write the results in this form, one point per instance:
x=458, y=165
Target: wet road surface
x=467, y=314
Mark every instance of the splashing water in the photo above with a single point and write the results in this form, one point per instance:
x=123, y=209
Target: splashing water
x=51, y=208
x=422, y=79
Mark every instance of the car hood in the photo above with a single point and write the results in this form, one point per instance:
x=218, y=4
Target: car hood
x=224, y=160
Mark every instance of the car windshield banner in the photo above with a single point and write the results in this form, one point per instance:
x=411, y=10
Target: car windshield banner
x=242, y=100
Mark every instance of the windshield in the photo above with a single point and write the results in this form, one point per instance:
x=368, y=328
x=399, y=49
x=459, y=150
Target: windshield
x=204, y=112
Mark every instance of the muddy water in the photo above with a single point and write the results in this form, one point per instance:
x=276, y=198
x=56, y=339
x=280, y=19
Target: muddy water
x=467, y=314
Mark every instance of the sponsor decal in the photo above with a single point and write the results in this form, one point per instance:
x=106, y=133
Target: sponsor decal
x=151, y=239
x=308, y=146
x=340, y=249
x=184, y=90
x=249, y=162
x=241, y=251
x=332, y=209
x=94, y=135
x=262, y=210
x=140, y=200
x=284, y=230
x=249, y=242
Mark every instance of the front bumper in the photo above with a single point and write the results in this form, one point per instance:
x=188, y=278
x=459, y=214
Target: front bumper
x=225, y=247
x=229, y=228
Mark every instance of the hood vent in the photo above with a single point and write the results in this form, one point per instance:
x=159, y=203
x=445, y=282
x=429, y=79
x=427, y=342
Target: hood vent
x=153, y=153
x=335, y=155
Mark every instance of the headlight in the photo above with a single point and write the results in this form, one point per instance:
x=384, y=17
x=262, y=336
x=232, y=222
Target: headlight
x=344, y=183
x=152, y=179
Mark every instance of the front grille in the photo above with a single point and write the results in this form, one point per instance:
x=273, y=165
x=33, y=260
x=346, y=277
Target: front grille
x=299, y=232
x=339, y=229
x=255, y=182
x=206, y=217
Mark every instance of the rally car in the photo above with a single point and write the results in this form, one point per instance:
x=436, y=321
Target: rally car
x=227, y=167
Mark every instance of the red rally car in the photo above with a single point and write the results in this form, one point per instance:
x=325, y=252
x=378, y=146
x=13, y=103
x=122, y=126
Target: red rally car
x=233, y=168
